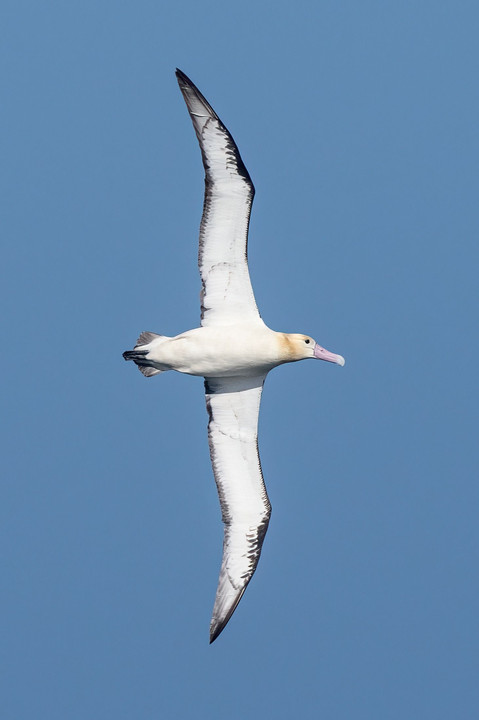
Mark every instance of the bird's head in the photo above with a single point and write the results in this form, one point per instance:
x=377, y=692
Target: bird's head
x=295, y=346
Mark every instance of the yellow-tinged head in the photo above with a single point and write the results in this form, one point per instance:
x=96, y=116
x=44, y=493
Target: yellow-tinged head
x=294, y=346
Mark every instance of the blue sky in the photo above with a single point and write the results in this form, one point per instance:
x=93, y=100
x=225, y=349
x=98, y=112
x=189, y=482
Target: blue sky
x=358, y=123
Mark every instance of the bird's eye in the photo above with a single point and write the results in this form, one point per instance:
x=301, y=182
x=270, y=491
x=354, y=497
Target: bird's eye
x=307, y=341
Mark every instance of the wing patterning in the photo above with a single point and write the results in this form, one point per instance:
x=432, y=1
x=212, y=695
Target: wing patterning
x=233, y=408
x=227, y=296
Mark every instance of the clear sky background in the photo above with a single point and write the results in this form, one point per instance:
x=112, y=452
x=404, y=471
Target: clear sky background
x=358, y=122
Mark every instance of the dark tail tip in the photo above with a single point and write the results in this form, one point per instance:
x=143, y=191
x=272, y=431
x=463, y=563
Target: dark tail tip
x=134, y=354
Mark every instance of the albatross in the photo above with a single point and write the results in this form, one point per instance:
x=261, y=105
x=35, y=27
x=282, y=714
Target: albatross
x=233, y=350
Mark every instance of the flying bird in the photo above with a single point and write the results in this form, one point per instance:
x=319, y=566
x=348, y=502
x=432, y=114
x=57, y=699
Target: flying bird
x=232, y=349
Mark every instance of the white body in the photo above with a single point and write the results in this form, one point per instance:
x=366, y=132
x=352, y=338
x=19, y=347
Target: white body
x=233, y=350
x=246, y=350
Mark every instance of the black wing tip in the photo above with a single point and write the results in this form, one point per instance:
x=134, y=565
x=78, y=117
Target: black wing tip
x=217, y=628
x=218, y=624
x=214, y=633
x=182, y=76
x=188, y=86
x=184, y=81
x=189, y=89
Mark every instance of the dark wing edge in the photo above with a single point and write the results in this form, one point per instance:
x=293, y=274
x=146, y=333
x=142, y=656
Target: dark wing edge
x=200, y=112
x=233, y=407
x=227, y=596
x=226, y=292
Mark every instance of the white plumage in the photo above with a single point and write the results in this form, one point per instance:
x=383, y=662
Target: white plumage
x=233, y=350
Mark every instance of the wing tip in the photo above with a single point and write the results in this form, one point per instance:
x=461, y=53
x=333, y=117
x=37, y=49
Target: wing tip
x=214, y=632
x=218, y=624
x=181, y=75
x=184, y=81
x=193, y=95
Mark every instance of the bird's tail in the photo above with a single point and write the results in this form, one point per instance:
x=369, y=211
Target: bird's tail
x=139, y=354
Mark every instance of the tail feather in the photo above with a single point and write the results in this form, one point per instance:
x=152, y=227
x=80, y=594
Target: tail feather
x=139, y=354
x=146, y=338
x=148, y=371
x=136, y=355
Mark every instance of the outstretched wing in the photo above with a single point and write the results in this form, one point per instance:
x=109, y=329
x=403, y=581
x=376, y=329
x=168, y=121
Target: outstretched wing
x=233, y=407
x=227, y=296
